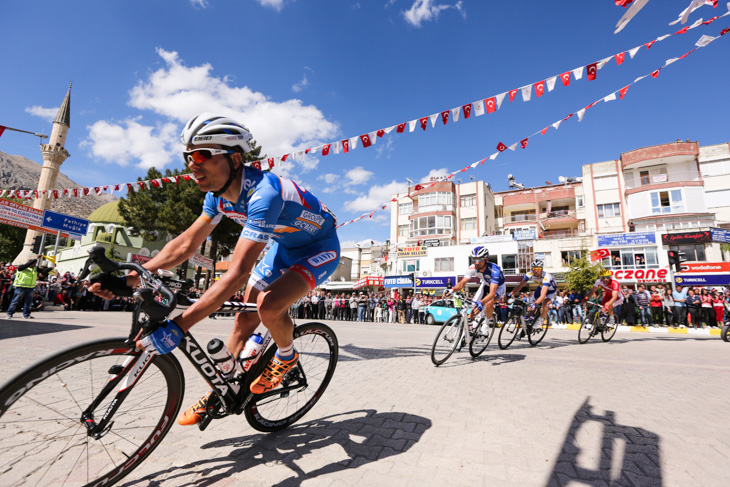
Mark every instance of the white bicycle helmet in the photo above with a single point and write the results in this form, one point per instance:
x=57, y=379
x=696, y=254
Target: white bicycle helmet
x=209, y=128
x=480, y=253
x=538, y=263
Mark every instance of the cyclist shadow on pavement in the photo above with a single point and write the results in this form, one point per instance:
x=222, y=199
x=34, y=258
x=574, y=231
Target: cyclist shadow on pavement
x=344, y=441
x=17, y=328
x=627, y=455
x=362, y=353
x=493, y=359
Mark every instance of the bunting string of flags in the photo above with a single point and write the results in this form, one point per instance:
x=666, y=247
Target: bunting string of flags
x=704, y=41
x=478, y=108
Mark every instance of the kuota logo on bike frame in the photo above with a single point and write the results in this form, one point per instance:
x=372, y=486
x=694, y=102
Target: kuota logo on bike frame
x=322, y=258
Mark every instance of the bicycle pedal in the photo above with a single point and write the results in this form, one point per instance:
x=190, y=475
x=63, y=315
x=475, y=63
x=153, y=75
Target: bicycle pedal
x=206, y=421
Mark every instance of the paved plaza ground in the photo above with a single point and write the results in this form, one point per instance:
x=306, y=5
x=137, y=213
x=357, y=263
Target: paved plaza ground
x=643, y=410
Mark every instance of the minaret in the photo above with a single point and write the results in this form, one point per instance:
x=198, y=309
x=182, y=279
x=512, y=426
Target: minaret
x=54, y=154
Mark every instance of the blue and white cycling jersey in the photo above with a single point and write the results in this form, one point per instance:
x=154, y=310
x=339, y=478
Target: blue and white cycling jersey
x=273, y=208
x=491, y=274
x=546, y=279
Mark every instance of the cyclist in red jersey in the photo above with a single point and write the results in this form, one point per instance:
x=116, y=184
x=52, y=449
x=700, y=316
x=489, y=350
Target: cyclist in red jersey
x=612, y=295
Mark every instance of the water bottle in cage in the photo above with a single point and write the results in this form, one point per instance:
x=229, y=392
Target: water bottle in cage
x=223, y=359
x=251, y=351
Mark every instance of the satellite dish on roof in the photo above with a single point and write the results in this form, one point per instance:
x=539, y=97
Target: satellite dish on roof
x=562, y=179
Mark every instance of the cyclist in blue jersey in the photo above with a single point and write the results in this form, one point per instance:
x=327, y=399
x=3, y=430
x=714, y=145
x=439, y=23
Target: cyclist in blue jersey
x=304, y=251
x=490, y=276
x=545, y=292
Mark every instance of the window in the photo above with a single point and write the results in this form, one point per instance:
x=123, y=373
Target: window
x=644, y=177
x=667, y=202
x=468, y=223
x=411, y=265
x=546, y=257
x=431, y=225
x=692, y=253
x=523, y=216
x=402, y=230
x=632, y=258
x=568, y=255
x=405, y=208
x=579, y=202
x=609, y=210
x=605, y=182
x=444, y=264
x=509, y=264
x=468, y=200
x=435, y=202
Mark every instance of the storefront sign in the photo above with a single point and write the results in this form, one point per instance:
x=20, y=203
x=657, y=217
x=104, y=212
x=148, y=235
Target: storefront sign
x=492, y=239
x=432, y=242
x=368, y=281
x=686, y=237
x=626, y=239
x=706, y=280
x=530, y=234
x=397, y=281
x=413, y=252
x=720, y=235
x=642, y=275
x=198, y=260
x=435, y=282
x=707, y=267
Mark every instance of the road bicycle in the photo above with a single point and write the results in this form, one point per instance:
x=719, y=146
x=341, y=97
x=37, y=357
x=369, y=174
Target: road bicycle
x=521, y=323
x=596, y=322
x=91, y=414
x=458, y=331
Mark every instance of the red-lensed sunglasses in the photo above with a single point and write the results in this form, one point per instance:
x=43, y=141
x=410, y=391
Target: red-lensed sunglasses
x=199, y=156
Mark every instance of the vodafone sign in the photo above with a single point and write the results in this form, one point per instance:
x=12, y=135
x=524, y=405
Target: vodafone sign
x=707, y=267
x=642, y=275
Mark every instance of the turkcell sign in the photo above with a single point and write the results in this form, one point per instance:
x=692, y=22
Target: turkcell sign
x=434, y=282
x=626, y=239
x=65, y=223
x=397, y=281
x=703, y=280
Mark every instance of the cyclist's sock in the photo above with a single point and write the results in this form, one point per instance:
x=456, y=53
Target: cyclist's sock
x=286, y=353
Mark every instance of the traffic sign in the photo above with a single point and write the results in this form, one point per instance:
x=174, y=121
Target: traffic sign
x=65, y=223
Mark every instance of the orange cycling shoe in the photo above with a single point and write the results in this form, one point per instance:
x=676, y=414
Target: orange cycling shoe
x=274, y=373
x=196, y=413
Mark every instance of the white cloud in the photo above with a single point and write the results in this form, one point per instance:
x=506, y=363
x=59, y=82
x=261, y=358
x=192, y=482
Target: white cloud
x=275, y=4
x=385, y=148
x=377, y=196
x=48, y=114
x=435, y=173
x=358, y=175
x=199, y=3
x=177, y=92
x=328, y=178
x=425, y=10
x=299, y=85
x=129, y=141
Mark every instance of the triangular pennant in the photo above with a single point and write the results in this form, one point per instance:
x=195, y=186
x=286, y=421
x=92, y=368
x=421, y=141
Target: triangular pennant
x=610, y=97
x=445, y=116
x=381, y=132
x=500, y=99
x=326, y=149
x=551, y=83
x=345, y=146
x=423, y=122
x=592, y=70
x=526, y=92
x=494, y=156
x=539, y=88
x=620, y=58
x=491, y=104
x=512, y=94
x=479, y=108
x=501, y=147
x=557, y=124
x=632, y=52
x=433, y=119
x=523, y=143
x=622, y=92
x=578, y=73
x=365, y=139
x=655, y=73
x=401, y=128
x=390, y=129
x=580, y=114
x=543, y=131
x=565, y=78
x=412, y=125
x=353, y=143
x=455, y=113
x=649, y=44
x=513, y=146
x=284, y=157
x=467, y=110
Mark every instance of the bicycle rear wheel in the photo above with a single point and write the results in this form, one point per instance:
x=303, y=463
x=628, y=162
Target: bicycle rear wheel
x=608, y=331
x=43, y=440
x=302, y=386
x=537, y=333
x=479, y=340
x=447, y=340
x=508, y=332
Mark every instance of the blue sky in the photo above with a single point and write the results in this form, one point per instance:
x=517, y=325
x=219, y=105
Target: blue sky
x=302, y=73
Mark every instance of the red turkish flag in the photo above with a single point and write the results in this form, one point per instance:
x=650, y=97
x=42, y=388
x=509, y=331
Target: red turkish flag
x=592, y=69
x=271, y=162
x=543, y=131
x=2, y=129
x=186, y=177
x=523, y=143
x=467, y=110
x=623, y=3
x=365, y=140
x=155, y=183
x=55, y=194
x=491, y=104
x=129, y=188
x=445, y=116
x=725, y=31
x=565, y=78
x=381, y=132
x=76, y=192
x=649, y=44
x=417, y=187
x=346, y=145
x=165, y=180
x=257, y=165
x=326, y=149
x=306, y=151
x=619, y=58
x=655, y=74
x=707, y=22
x=681, y=31
x=512, y=94
x=402, y=127
x=283, y=159
x=539, y=88
x=86, y=192
x=501, y=147
x=566, y=118
x=424, y=122
x=622, y=92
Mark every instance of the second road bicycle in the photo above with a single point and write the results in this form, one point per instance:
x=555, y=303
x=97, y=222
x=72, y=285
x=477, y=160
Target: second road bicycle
x=458, y=331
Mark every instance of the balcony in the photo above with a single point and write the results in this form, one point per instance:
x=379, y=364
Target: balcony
x=432, y=208
x=558, y=214
x=657, y=181
x=521, y=218
x=555, y=234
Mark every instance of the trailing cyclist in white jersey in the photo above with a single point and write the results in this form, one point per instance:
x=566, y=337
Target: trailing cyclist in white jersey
x=545, y=291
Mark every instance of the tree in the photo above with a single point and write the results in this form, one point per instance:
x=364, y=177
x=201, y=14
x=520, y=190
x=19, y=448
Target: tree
x=583, y=273
x=11, y=239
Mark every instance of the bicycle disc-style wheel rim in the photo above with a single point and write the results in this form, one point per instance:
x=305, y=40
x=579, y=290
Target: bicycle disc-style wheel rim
x=608, y=331
x=585, y=331
x=479, y=342
x=538, y=333
x=447, y=340
x=42, y=438
x=724, y=333
x=508, y=333
x=318, y=351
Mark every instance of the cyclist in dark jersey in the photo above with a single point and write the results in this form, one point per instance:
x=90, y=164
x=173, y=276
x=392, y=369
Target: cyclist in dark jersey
x=492, y=283
x=305, y=249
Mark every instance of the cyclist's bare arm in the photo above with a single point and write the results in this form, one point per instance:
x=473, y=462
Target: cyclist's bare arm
x=491, y=294
x=517, y=289
x=244, y=258
x=459, y=286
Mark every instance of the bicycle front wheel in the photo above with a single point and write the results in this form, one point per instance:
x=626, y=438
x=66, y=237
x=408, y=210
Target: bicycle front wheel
x=447, y=340
x=480, y=338
x=724, y=333
x=302, y=386
x=537, y=333
x=508, y=332
x=43, y=439
x=585, y=332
